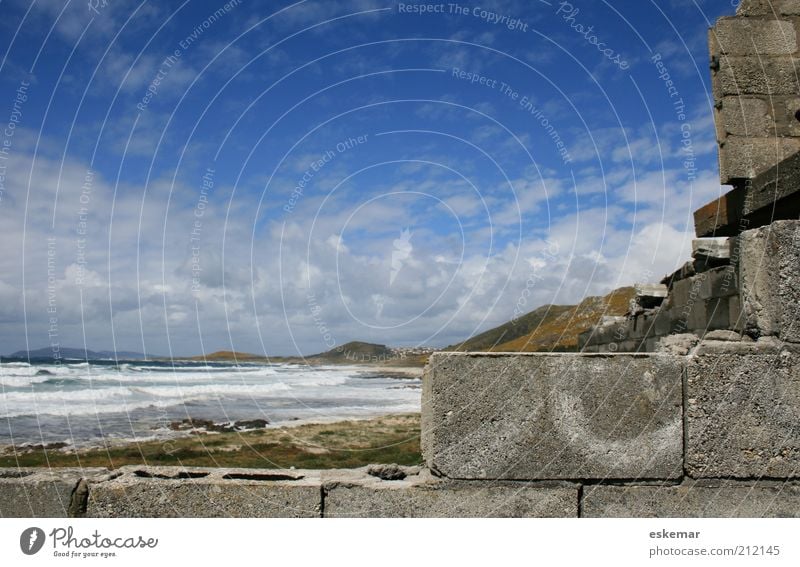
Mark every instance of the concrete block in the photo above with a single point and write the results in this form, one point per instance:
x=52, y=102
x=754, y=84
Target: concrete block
x=722, y=335
x=662, y=325
x=769, y=8
x=404, y=499
x=787, y=122
x=694, y=500
x=542, y=416
x=699, y=315
x=714, y=248
x=741, y=116
x=774, y=194
x=649, y=295
x=757, y=8
x=748, y=75
x=743, y=410
x=745, y=36
x=744, y=158
x=167, y=492
x=789, y=7
x=735, y=314
x=717, y=311
x=719, y=282
x=679, y=345
x=769, y=272
x=41, y=493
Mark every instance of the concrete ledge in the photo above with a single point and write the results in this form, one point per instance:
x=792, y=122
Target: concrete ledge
x=694, y=500
x=168, y=492
x=539, y=416
x=421, y=496
x=42, y=493
x=743, y=410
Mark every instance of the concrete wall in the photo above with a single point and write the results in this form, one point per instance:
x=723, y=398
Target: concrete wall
x=754, y=62
x=715, y=432
x=756, y=295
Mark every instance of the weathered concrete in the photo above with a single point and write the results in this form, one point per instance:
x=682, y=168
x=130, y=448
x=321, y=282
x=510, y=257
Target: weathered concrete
x=745, y=36
x=552, y=416
x=769, y=270
x=743, y=410
x=712, y=248
x=170, y=492
x=720, y=499
x=772, y=195
x=768, y=8
x=421, y=496
x=42, y=493
x=746, y=116
x=746, y=157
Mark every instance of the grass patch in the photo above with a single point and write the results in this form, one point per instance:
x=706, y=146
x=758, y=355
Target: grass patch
x=349, y=444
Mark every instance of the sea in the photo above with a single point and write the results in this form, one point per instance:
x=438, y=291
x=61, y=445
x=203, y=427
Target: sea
x=96, y=402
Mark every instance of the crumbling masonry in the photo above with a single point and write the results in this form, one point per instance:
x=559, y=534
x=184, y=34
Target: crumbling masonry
x=689, y=406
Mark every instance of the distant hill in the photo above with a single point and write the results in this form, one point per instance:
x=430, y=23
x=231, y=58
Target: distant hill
x=349, y=353
x=77, y=353
x=226, y=355
x=354, y=351
x=523, y=326
x=550, y=327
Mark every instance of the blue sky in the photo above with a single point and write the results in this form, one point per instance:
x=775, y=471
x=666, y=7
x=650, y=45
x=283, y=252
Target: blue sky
x=282, y=178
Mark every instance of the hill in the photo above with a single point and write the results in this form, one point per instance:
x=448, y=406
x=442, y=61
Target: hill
x=76, y=354
x=550, y=327
x=226, y=355
x=521, y=327
x=354, y=351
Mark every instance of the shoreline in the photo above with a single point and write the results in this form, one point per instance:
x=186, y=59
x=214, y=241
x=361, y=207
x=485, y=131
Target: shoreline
x=393, y=438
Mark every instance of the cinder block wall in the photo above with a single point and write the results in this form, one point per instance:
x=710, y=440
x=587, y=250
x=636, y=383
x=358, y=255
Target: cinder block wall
x=754, y=63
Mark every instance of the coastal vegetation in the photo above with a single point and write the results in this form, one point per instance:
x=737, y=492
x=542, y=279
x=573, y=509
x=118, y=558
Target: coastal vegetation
x=347, y=444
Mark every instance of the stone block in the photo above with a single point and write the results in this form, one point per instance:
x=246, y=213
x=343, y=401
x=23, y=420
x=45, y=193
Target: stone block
x=403, y=499
x=787, y=121
x=717, y=312
x=789, y=7
x=769, y=272
x=735, y=314
x=679, y=345
x=543, y=416
x=167, y=492
x=769, y=8
x=743, y=410
x=649, y=295
x=712, y=248
x=772, y=195
x=745, y=158
x=748, y=117
x=744, y=36
x=722, y=335
x=694, y=500
x=41, y=493
x=749, y=75
x=719, y=282
x=757, y=8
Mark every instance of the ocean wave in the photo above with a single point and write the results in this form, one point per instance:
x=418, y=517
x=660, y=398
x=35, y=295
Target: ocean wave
x=88, y=390
x=77, y=410
x=212, y=390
